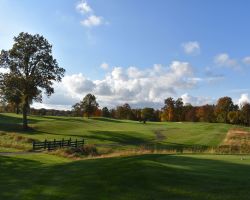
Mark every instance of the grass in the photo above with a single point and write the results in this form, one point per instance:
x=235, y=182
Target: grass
x=144, y=177
x=119, y=133
x=121, y=174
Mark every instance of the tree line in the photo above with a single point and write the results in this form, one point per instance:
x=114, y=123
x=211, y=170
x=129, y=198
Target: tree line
x=224, y=111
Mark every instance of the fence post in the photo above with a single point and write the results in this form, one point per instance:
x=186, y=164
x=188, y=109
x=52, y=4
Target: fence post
x=49, y=146
x=82, y=141
x=54, y=143
x=45, y=144
x=33, y=145
x=62, y=143
x=76, y=144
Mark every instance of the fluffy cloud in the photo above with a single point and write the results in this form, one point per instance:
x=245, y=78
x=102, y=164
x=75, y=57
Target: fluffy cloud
x=92, y=20
x=244, y=98
x=246, y=60
x=196, y=101
x=224, y=60
x=104, y=66
x=147, y=87
x=83, y=7
x=191, y=48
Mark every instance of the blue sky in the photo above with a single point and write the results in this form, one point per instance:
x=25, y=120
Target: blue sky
x=139, y=51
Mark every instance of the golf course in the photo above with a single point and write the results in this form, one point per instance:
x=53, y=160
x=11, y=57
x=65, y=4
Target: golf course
x=134, y=161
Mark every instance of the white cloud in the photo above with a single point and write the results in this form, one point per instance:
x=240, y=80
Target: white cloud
x=191, y=48
x=83, y=7
x=104, y=65
x=244, y=98
x=135, y=86
x=246, y=60
x=92, y=21
x=224, y=60
x=196, y=101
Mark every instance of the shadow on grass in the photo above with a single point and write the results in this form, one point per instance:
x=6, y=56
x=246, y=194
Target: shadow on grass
x=14, y=124
x=109, y=120
x=68, y=119
x=129, y=138
x=139, y=178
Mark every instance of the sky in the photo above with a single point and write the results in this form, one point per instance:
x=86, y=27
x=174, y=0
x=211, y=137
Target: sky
x=139, y=51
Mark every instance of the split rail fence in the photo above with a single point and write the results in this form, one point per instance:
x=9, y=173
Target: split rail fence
x=55, y=144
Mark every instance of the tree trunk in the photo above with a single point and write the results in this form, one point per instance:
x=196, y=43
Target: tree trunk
x=25, y=112
x=17, y=109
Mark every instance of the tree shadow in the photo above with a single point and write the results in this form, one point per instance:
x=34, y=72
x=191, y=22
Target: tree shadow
x=109, y=120
x=135, y=177
x=129, y=138
x=68, y=119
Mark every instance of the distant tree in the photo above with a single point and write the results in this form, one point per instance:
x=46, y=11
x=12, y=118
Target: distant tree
x=245, y=112
x=206, y=113
x=113, y=113
x=105, y=112
x=89, y=104
x=31, y=70
x=77, y=110
x=124, y=111
x=97, y=113
x=178, y=109
x=190, y=113
x=169, y=109
x=233, y=117
x=147, y=114
x=223, y=107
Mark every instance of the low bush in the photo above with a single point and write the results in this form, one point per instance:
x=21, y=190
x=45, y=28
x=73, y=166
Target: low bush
x=86, y=150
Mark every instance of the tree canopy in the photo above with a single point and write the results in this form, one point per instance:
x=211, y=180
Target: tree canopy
x=89, y=104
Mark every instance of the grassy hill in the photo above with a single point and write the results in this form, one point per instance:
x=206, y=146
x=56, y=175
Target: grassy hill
x=117, y=132
x=151, y=176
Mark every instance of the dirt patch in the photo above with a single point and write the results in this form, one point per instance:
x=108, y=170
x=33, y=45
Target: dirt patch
x=159, y=135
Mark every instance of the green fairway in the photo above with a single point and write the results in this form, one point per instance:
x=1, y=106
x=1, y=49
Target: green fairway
x=146, y=176
x=193, y=177
x=125, y=134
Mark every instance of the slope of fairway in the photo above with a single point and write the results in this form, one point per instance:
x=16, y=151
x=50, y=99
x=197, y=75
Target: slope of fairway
x=206, y=177
x=117, y=132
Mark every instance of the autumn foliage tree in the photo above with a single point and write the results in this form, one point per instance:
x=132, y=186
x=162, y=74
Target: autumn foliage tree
x=223, y=107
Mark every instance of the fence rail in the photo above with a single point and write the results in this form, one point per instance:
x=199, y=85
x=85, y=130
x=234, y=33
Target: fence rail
x=55, y=144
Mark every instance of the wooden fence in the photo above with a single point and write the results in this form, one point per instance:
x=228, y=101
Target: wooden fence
x=51, y=145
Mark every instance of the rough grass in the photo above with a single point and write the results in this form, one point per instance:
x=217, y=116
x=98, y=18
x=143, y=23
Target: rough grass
x=145, y=177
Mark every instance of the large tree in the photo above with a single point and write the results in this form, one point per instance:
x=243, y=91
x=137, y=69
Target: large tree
x=31, y=70
x=89, y=104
